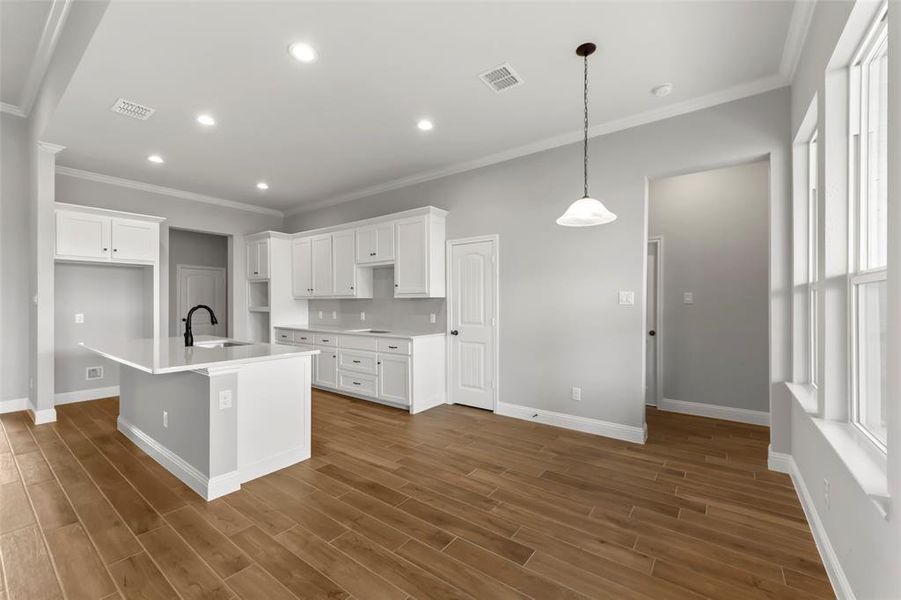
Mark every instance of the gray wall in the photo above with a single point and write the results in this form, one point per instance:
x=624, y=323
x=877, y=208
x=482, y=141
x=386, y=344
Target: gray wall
x=14, y=261
x=560, y=324
x=715, y=227
x=198, y=249
x=383, y=310
x=116, y=303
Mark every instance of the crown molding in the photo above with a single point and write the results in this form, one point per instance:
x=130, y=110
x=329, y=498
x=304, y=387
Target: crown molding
x=53, y=28
x=165, y=191
x=802, y=15
x=731, y=94
x=12, y=109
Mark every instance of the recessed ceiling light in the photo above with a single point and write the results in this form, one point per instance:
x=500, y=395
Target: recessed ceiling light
x=664, y=89
x=262, y=185
x=206, y=119
x=156, y=158
x=303, y=52
x=425, y=125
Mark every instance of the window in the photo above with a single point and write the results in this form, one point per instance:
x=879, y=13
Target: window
x=868, y=259
x=812, y=262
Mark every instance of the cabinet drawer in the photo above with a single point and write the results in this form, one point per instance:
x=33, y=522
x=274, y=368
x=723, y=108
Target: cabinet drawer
x=358, y=342
x=284, y=336
x=326, y=339
x=361, y=362
x=304, y=337
x=357, y=383
x=394, y=346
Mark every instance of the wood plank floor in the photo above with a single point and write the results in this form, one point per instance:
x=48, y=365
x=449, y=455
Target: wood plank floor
x=452, y=503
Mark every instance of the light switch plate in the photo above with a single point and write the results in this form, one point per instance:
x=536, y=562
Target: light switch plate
x=225, y=399
x=688, y=297
x=627, y=298
x=79, y=317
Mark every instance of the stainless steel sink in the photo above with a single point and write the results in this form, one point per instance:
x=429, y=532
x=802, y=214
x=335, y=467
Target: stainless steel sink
x=222, y=344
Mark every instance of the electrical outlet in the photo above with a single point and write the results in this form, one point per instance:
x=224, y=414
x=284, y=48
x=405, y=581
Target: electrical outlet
x=225, y=399
x=577, y=394
x=827, y=499
x=433, y=318
x=79, y=317
x=627, y=298
x=334, y=314
x=165, y=418
x=688, y=297
x=362, y=315
x=320, y=314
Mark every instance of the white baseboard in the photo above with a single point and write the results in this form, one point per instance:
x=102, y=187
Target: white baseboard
x=840, y=584
x=190, y=476
x=274, y=463
x=47, y=415
x=13, y=405
x=85, y=395
x=715, y=411
x=779, y=461
x=617, y=431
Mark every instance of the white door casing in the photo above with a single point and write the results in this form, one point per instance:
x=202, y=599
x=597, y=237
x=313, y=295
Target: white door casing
x=472, y=322
x=201, y=285
x=653, y=320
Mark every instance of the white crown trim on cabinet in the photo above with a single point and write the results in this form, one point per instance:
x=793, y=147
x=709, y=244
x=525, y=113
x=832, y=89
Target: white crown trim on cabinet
x=715, y=411
x=165, y=191
x=637, y=435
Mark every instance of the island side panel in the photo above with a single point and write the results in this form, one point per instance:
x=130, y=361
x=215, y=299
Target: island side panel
x=273, y=415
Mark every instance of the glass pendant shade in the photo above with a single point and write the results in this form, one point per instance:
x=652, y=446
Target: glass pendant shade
x=586, y=212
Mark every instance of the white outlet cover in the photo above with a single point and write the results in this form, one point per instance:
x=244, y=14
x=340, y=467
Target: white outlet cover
x=688, y=297
x=627, y=298
x=320, y=314
x=165, y=419
x=362, y=315
x=334, y=314
x=432, y=318
x=225, y=399
x=577, y=394
x=79, y=317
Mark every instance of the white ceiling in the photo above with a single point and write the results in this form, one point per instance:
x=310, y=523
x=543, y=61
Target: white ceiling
x=330, y=130
x=21, y=25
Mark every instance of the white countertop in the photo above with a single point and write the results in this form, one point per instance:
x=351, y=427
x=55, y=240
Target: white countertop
x=394, y=333
x=169, y=355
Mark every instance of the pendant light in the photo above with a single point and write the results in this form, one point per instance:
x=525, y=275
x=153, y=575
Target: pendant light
x=586, y=211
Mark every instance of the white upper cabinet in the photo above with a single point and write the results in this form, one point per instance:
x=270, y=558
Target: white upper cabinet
x=258, y=259
x=91, y=234
x=135, y=240
x=323, y=272
x=419, y=266
x=345, y=268
x=375, y=243
x=301, y=265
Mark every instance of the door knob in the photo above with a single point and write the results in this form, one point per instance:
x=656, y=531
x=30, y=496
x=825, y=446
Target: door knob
x=652, y=332
x=454, y=332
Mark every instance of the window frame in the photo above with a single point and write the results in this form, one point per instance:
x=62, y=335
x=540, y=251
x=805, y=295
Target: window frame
x=860, y=273
x=812, y=261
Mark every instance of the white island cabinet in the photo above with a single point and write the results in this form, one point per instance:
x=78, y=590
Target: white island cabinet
x=216, y=414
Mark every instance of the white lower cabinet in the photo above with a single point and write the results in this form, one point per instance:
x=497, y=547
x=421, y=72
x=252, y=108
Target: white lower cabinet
x=326, y=373
x=357, y=383
x=394, y=378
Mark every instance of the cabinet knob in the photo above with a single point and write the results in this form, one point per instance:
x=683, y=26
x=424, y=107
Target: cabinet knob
x=105, y=249
x=372, y=254
x=395, y=285
x=256, y=272
x=454, y=332
x=115, y=249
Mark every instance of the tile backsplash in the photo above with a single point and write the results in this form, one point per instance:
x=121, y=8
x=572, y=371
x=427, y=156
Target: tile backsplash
x=383, y=310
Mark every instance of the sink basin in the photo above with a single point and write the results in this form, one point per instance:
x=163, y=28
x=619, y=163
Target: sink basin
x=221, y=344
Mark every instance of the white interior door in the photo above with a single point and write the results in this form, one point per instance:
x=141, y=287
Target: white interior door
x=202, y=285
x=651, y=383
x=472, y=323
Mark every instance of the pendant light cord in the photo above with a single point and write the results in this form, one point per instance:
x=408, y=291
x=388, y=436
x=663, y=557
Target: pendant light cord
x=585, y=138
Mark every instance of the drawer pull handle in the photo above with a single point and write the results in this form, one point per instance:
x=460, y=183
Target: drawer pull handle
x=356, y=383
x=324, y=340
x=372, y=254
x=393, y=347
x=357, y=362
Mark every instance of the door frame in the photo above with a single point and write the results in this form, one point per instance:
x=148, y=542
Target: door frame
x=178, y=270
x=495, y=241
x=658, y=240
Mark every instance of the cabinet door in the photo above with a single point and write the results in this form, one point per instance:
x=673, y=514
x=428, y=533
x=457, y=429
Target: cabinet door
x=367, y=245
x=263, y=258
x=301, y=263
x=135, y=240
x=327, y=368
x=344, y=265
x=384, y=244
x=323, y=278
x=82, y=235
x=394, y=378
x=411, y=268
x=253, y=260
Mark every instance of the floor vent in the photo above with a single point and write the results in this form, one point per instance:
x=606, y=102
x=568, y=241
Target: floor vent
x=132, y=109
x=93, y=373
x=501, y=78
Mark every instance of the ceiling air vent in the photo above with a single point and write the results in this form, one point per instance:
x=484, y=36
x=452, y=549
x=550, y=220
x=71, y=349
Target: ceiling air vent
x=132, y=109
x=501, y=78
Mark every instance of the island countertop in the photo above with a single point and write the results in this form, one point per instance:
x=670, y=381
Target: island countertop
x=169, y=355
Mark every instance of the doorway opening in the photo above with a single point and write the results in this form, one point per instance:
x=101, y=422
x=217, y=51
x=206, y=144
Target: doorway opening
x=198, y=274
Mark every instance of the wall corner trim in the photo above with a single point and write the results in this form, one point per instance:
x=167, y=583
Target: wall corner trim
x=840, y=584
x=715, y=411
x=628, y=433
x=47, y=415
x=778, y=461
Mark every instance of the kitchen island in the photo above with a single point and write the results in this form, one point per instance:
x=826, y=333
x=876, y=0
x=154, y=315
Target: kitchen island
x=218, y=413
